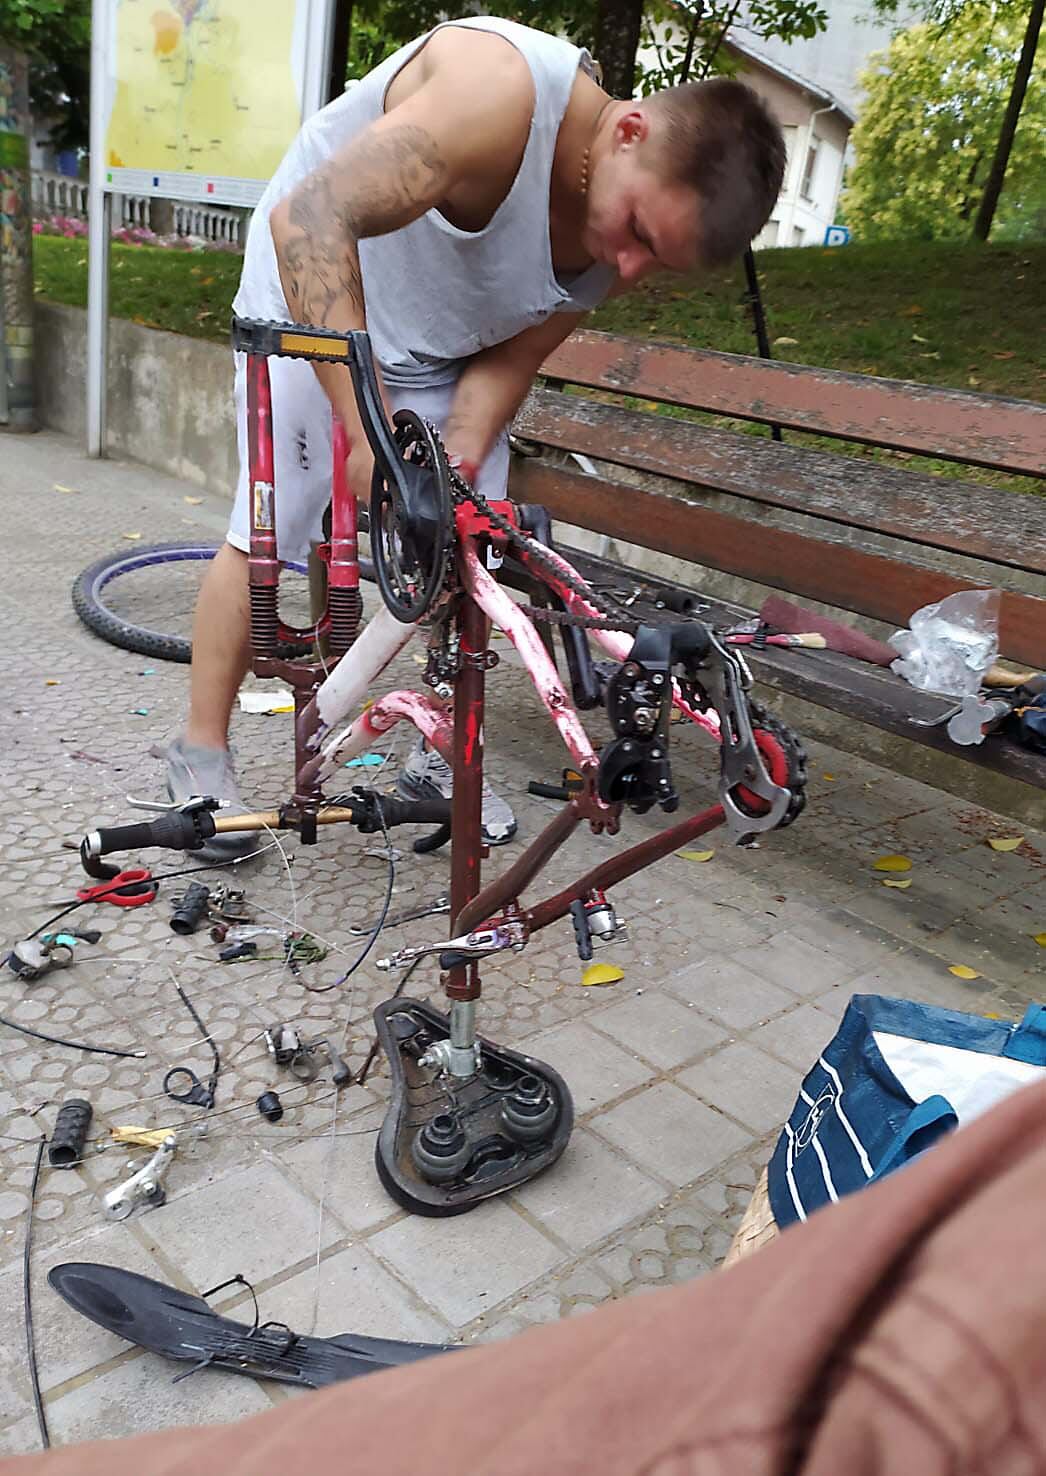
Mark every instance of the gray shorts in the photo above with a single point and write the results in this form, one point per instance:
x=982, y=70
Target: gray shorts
x=301, y=421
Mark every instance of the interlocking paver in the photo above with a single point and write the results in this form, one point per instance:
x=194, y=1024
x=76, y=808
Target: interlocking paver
x=592, y=1192
x=461, y=1267
x=115, y=1402
x=663, y=1129
x=746, y=964
x=598, y=1070
x=657, y=1027
x=746, y=1082
x=356, y=1295
x=799, y=1036
x=253, y=1219
x=797, y=965
x=729, y=991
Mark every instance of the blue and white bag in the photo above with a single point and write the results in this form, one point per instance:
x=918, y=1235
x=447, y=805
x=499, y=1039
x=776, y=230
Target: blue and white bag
x=895, y=1078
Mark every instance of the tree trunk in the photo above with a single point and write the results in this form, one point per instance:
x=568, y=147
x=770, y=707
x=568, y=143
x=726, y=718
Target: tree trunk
x=617, y=41
x=997, y=173
x=691, y=41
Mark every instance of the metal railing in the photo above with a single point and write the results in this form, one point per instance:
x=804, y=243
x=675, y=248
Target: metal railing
x=58, y=194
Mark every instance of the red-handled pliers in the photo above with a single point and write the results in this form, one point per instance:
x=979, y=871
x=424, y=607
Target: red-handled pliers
x=128, y=889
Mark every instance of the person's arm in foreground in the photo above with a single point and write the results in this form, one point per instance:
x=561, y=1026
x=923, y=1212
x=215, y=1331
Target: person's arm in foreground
x=495, y=383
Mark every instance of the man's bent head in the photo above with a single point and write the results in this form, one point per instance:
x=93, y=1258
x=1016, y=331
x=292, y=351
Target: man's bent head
x=684, y=178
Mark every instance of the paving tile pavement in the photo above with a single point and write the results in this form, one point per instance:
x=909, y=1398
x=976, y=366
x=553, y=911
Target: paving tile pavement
x=735, y=974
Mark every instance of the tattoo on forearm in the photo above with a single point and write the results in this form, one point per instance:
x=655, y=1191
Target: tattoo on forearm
x=376, y=185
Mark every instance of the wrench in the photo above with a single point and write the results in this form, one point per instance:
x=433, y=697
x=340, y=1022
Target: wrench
x=441, y=904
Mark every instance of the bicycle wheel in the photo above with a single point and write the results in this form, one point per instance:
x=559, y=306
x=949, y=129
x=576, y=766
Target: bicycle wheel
x=142, y=599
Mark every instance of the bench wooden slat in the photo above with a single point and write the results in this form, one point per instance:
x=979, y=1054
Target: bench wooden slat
x=835, y=573
x=964, y=517
x=868, y=694
x=984, y=430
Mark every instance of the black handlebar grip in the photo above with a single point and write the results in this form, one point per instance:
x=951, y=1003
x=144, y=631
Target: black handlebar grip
x=66, y=1147
x=187, y=916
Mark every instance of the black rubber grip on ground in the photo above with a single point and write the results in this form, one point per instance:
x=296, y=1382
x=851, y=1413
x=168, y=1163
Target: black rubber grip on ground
x=66, y=1147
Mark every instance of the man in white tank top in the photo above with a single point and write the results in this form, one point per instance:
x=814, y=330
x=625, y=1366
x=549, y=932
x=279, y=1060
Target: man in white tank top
x=466, y=203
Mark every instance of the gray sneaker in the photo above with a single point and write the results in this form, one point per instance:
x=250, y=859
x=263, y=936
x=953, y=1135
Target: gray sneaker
x=209, y=771
x=427, y=775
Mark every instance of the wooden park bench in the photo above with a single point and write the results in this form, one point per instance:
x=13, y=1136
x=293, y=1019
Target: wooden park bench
x=860, y=535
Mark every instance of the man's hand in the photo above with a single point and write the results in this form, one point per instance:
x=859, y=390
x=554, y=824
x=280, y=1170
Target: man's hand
x=359, y=469
x=495, y=383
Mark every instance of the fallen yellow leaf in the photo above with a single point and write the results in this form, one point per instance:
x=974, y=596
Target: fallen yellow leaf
x=59, y=488
x=1005, y=842
x=828, y=778
x=600, y=973
x=961, y=971
x=695, y=855
x=892, y=863
x=193, y=501
x=132, y=537
x=1040, y=938
x=893, y=881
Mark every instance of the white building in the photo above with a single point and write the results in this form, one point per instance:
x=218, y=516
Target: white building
x=816, y=128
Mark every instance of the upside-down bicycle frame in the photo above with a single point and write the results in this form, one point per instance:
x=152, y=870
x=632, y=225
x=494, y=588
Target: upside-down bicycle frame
x=323, y=700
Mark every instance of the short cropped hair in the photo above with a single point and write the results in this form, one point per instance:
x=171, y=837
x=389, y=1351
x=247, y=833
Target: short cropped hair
x=720, y=137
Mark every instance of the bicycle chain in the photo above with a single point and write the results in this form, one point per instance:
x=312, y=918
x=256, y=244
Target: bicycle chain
x=608, y=619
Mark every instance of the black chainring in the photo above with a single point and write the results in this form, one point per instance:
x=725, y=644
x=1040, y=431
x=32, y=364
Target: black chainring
x=411, y=537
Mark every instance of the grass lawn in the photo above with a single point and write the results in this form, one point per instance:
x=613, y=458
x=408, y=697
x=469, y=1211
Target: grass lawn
x=963, y=316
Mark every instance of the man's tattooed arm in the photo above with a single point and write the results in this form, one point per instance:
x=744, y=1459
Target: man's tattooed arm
x=382, y=180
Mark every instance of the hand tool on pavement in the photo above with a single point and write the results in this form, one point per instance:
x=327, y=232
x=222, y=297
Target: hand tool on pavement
x=133, y=888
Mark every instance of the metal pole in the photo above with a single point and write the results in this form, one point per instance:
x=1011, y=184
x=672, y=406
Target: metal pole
x=16, y=257
x=755, y=302
x=318, y=44
x=99, y=219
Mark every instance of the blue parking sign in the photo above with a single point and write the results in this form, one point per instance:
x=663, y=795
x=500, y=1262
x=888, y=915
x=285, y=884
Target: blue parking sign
x=836, y=235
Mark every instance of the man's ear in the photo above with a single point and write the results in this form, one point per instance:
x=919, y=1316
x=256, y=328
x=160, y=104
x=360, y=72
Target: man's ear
x=632, y=128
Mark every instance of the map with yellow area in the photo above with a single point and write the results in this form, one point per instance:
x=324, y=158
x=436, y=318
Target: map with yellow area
x=202, y=87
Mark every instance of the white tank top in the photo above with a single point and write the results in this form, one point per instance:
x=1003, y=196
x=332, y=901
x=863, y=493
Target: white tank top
x=435, y=294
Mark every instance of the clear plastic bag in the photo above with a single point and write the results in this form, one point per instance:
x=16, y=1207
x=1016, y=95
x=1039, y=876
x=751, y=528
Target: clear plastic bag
x=950, y=645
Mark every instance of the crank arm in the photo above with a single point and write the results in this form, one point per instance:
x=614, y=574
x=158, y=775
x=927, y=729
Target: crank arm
x=477, y=944
x=741, y=763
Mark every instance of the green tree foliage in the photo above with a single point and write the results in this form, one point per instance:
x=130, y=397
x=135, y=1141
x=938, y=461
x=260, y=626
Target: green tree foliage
x=686, y=41
x=56, y=34
x=926, y=135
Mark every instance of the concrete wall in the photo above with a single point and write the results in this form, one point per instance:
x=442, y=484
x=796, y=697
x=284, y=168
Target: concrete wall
x=170, y=397
x=170, y=406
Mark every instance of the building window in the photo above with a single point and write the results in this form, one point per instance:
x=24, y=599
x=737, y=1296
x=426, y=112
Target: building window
x=806, y=189
x=790, y=131
x=798, y=236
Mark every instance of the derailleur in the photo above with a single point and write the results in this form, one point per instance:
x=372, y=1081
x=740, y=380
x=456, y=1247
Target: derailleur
x=634, y=767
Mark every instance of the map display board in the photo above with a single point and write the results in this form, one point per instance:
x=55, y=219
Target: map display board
x=202, y=97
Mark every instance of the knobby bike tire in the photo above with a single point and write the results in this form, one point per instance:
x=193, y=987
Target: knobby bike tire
x=89, y=602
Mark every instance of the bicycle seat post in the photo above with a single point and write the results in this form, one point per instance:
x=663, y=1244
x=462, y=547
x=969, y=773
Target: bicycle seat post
x=462, y=983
